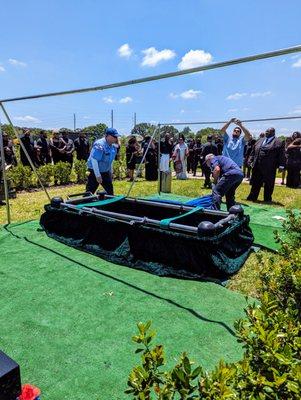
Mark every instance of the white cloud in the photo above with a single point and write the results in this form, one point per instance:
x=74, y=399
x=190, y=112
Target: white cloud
x=125, y=51
x=297, y=110
x=236, y=96
x=152, y=56
x=295, y=56
x=86, y=117
x=187, y=95
x=2, y=69
x=261, y=94
x=17, y=63
x=108, y=99
x=27, y=118
x=232, y=110
x=297, y=64
x=182, y=111
x=195, y=58
x=190, y=94
x=125, y=100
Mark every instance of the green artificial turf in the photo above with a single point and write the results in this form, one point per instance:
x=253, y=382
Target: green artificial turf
x=67, y=317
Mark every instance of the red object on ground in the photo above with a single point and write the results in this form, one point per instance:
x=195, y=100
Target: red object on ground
x=29, y=392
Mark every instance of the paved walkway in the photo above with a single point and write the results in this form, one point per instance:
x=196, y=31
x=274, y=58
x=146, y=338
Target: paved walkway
x=199, y=176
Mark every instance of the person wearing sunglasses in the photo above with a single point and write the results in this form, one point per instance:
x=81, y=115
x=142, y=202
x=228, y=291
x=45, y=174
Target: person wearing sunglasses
x=234, y=143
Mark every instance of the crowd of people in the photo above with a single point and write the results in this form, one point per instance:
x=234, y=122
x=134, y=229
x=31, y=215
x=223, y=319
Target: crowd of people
x=240, y=146
x=227, y=157
x=44, y=150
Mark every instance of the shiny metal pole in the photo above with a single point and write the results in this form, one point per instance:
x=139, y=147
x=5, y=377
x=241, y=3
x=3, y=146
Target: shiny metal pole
x=24, y=149
x=142, y=161
x=4, y=177
x=222, y=64
x=159, y=159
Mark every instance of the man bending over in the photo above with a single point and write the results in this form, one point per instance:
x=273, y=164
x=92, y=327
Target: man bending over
x=227, y=176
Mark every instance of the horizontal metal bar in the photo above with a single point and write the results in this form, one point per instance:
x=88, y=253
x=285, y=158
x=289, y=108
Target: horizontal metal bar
x=224, y=122
x=129, y=218
x=222, y=64
x=170, y=205
x=80, y=194
x=80, y=200
x=144, y=220
x=224, y=221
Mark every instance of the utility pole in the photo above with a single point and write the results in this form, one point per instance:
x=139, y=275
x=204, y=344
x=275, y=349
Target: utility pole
x=135, y=120
x=74, y=122
x=112, y=119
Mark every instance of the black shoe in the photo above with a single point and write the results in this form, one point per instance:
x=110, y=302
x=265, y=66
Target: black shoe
x=250, y=198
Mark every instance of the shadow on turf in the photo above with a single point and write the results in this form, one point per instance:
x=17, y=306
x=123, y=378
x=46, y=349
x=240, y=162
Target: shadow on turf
x=156, y=296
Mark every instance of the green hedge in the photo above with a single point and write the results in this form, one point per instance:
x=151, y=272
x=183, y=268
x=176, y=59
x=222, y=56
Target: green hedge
x=23, y=178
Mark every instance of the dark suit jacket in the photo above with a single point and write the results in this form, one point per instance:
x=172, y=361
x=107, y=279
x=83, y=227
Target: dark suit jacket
x=270, y=158
x=209, y=148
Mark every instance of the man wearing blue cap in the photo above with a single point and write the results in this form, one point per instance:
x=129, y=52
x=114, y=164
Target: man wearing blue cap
x=100, y=162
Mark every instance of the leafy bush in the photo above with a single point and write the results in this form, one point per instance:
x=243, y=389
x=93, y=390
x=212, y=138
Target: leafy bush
x=45, y=173
x=62, y=172
x=20, y=176
x=80, y=167
x=119, y=165
x=270, y=335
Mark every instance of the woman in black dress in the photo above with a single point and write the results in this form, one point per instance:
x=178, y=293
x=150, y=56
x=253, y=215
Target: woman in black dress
x=293, y=161
x=151, y=159
x=132, y=151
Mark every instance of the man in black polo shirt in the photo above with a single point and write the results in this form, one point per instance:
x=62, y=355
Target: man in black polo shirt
x=166, y=147
x=208, y=148
x=82, y=147
x=42, y=147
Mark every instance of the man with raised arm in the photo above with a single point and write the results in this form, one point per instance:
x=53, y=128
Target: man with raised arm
x=100, y=162
x=227, y=176
x=234, y=142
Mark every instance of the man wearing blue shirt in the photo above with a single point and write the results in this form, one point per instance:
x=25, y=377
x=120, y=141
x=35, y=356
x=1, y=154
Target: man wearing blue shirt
x=100, y=161
x=234, y=143
x=227, y=177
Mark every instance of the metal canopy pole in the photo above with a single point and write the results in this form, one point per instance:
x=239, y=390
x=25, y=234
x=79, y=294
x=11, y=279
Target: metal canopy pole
x=159, y=159
x=224, y=122
x=4, y=176
x=241, y=60
x=141, y=162
x=25, y=151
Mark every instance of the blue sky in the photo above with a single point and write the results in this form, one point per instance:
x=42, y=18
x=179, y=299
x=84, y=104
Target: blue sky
x=60, y=45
